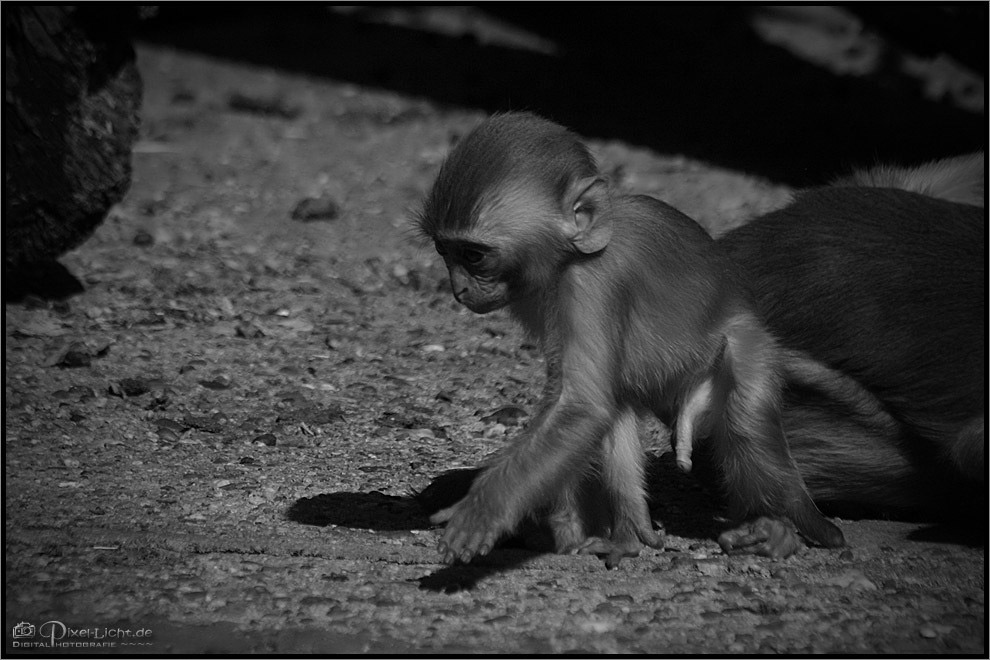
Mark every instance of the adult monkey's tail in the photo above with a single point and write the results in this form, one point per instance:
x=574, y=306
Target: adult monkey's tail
x=959, y=179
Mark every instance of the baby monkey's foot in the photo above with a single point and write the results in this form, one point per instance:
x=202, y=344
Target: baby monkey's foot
x=620, y=546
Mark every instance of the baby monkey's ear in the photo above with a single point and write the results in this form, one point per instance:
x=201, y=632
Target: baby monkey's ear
x=588, y=224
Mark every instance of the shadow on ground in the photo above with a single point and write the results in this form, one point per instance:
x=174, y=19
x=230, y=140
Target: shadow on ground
x=373, y=510
x=677, y=500
x=387, y=513
x=957, y=533
x=692, y=80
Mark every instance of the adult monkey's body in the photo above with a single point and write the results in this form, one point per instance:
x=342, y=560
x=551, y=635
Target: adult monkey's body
x=880, y=282
x=636, y=311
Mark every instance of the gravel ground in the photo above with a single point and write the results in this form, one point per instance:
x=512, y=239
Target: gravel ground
x=215, y=446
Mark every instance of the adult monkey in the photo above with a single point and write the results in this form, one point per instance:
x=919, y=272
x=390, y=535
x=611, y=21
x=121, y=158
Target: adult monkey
x=636, y=310
x=877, y=288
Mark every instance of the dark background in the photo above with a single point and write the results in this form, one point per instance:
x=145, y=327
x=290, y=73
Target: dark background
x=690, y=79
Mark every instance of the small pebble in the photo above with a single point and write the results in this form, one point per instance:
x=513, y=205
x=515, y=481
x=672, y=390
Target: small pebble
x=507, y=415
x=596, y=626
x=267, y=107
x=620, y=598
x=316, y=208
x=854, y=580
x=266, y=439
x=129, y=387
x=607, y=609
x=75, y=358
x=218, y=383
x=505, y=618
x=711, y=568
x=143, y=239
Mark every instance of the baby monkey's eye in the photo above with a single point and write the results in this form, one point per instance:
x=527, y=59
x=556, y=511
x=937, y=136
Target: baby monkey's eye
x=473, y=257
x=441, y=250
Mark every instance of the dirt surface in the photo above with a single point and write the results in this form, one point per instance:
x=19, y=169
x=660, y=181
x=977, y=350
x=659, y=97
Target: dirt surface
x=215, y=445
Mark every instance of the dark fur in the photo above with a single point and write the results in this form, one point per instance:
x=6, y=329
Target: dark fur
x=886, y=290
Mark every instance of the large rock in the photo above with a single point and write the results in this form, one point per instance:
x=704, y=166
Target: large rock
x=71, y=99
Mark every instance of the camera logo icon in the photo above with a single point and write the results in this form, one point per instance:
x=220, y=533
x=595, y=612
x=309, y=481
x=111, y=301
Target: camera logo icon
x=23, y=629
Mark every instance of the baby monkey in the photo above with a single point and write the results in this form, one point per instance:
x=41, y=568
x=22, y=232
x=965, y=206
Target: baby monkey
x=636, y=311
